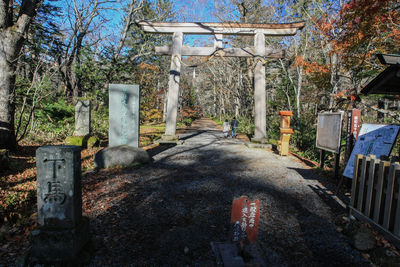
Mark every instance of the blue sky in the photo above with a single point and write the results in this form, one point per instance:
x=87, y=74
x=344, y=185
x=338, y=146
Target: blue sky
x=186, y=11
x=195, y=10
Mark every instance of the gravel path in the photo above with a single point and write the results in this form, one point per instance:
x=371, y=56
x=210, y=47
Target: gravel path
x=167, y=213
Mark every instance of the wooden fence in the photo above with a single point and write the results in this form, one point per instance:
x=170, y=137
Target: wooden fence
x=375, y=195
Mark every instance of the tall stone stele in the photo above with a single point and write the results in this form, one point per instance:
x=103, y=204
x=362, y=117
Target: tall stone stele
x=62, y=230
x=124, y=103
x=82, y=118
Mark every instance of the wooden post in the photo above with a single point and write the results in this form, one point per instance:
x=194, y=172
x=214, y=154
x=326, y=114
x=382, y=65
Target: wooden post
x=337, y=165
x=321, y=158
x=173, y=86
x=349, y=136
x=259, y=88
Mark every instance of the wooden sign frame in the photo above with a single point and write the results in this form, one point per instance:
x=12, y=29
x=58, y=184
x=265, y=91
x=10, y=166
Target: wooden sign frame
x=326, y=126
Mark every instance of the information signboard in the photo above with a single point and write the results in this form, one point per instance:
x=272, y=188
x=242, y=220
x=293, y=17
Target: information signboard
x=329, y=131
x=375, y=139
x=245, y=216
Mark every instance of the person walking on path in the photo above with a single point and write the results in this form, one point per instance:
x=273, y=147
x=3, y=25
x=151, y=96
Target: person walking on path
x=234, y=124
x=226, y=127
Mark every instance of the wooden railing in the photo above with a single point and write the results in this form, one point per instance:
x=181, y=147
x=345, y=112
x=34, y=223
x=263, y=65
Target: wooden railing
x=375, y=195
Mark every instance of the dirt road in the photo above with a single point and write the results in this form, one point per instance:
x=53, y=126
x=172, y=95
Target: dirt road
x=167, y=213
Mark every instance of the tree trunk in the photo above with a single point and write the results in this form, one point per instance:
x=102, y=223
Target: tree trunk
x=298, y=93
x=7, y=85
x=12, y=34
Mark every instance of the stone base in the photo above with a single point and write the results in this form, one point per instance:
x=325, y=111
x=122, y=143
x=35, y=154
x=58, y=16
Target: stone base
x=169, y=139
x=123, y=156
x=163, y=142
x=228, y=254
x=255, y=145
x=58, y=245
x=259, y=140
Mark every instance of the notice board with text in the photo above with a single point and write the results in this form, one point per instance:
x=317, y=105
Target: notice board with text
x=374, y=139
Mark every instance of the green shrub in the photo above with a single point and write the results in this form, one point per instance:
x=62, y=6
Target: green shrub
x=100, y=122
x=246, y=125
x=305, y=132
x=273, y=125
x=188, y=121
x=53, y=121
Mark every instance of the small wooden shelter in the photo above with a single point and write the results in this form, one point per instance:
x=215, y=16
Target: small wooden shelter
x=388, y=81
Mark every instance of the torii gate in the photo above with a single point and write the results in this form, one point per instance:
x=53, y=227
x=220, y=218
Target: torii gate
x=218, y=30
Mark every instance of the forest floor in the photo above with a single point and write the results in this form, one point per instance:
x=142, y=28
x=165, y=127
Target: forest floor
x=168, y=212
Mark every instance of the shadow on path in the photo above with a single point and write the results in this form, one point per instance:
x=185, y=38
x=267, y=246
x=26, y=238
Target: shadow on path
x=167, y=213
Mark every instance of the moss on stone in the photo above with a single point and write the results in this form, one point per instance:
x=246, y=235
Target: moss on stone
x=76, y=141
x=93, y=141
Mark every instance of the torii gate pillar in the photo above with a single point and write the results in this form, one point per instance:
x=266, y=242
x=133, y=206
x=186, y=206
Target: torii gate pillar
x=173, y=88
x=259, y=90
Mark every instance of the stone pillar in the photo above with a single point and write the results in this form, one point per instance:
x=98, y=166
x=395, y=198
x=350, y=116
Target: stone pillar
x=259, y=89
x=124, y=103
x=173, y=88
x=82, y=118
x=61, y=231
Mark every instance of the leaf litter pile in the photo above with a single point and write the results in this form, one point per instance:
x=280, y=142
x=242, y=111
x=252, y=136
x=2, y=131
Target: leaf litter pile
x=167, y=213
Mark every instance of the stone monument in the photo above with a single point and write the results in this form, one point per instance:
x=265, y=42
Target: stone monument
x=123, y=115
x=82, y=118
x=62, y=230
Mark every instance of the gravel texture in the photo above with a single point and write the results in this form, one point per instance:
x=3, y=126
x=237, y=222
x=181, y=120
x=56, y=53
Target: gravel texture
x=167, y=213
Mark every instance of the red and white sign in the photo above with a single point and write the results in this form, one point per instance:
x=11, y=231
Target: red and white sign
x=245, y=216
x=355, y=122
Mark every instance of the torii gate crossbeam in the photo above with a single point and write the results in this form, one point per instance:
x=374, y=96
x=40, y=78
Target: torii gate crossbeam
x=259, y=31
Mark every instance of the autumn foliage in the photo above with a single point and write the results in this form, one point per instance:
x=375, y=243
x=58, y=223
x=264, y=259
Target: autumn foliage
x=364, y=27
x=350, y=37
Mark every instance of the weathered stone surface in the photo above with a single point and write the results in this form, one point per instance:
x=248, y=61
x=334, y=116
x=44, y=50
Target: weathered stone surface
x=255, y=145
x=364, y=239
x=82, y=118
x=259, y=140
x=168, y=137
x=164, y=142
x=227, y=254
x=361, y=236
x=56, y=245
x=123, y=115
x=61, y=231
x=123, y=156
x=59, y=186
